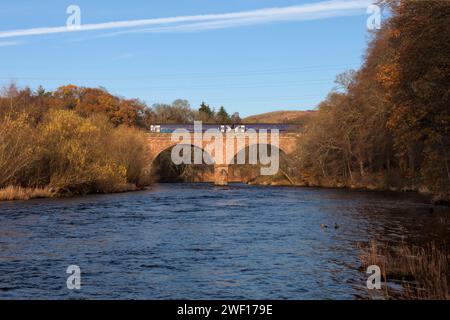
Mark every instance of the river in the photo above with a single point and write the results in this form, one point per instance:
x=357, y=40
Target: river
x=197, y=241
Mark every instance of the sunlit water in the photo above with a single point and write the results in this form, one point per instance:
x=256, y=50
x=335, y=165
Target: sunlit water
x=197, y=241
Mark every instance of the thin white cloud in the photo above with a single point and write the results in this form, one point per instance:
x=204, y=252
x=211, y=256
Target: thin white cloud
x=9, y=43
x=227, y=23
x=126, y=55
x=318, y=10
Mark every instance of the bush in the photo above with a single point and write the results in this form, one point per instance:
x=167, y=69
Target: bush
x=70, y=154
x=18, y=149
x=77, y=157
x=129, y=147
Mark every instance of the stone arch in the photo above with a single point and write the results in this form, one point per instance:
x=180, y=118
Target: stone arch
x=247, y=146
x=170, y=146
x=159, y=142
x=164, y=170
x=248, y=172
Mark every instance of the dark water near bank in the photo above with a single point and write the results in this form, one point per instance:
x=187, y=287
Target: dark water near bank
x=196, y=241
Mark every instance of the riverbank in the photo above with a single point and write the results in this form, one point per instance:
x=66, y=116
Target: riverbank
x=18, y=193
x=369, y=183
x=12, y=193
x=409, y=271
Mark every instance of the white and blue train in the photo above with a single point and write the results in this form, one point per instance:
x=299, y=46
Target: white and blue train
x=169, y=128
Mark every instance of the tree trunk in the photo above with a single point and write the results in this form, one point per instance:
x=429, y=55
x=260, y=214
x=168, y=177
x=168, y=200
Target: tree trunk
x=361, y=168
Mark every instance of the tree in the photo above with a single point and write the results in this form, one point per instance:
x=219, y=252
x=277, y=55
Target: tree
x=18, y=151
x=179, y=112
x=205, y=113
x=235, y=118
x=66, y=97
x=416, y=81
x=391, y=118
x=222, y=116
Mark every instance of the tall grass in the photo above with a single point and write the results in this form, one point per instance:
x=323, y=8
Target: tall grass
x=19, y=193
x=422, y=272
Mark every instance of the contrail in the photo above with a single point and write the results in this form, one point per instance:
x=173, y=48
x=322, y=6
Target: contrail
x=310, y=11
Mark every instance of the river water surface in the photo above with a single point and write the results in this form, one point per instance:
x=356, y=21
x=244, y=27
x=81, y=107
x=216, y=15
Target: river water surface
x=197, y=241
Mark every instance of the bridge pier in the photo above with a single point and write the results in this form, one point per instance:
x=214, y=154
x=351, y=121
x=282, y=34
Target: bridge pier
x=220, y=175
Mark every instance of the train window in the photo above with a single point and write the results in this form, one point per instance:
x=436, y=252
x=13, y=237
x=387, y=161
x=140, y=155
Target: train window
x=155, y=128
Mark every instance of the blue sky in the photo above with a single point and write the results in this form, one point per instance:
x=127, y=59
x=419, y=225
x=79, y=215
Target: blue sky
x=283, y=57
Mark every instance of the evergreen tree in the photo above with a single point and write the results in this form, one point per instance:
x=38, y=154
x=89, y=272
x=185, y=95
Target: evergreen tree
x=222, y=116
x=205, y=113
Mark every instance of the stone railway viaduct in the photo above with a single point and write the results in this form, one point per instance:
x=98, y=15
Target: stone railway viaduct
x=232, y=145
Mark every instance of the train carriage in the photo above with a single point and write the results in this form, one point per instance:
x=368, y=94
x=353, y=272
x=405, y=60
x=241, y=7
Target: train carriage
x=169, y=128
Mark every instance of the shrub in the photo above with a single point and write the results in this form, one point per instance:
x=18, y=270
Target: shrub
x=18, y=149
x=78, y=159
x=129, y=148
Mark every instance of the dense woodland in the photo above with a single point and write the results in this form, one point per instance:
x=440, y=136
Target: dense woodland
x=71, y=141
x=387, y=126
x=86, y=101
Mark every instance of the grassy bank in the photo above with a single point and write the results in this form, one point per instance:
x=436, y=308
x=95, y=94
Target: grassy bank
x=18, y=193
x=378, y=182
x=11, y=193
x=409, y=272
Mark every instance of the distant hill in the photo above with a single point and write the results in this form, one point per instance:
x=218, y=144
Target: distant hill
x=292, y=117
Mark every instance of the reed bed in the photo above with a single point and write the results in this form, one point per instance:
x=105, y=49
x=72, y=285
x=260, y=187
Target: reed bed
x=18, y=193
x=421, y=272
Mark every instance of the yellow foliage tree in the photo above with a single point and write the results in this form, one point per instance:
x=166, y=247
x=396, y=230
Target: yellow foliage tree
x=78, y=157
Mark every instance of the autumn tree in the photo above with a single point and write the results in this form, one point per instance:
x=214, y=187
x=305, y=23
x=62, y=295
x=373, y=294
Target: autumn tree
x=416, y=81
x=391, y=117
x=179, y=112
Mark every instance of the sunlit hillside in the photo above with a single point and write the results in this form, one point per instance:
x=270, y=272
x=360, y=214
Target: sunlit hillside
x=297, y=117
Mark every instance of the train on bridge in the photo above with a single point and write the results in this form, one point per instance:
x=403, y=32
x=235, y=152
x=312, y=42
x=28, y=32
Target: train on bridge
x=238, y=128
